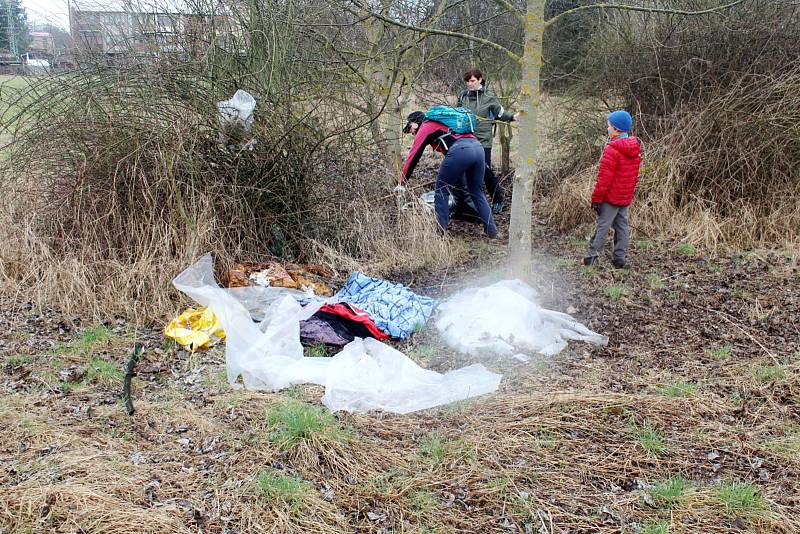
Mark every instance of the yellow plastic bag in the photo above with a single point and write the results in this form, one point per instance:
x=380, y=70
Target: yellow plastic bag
x=195, y=329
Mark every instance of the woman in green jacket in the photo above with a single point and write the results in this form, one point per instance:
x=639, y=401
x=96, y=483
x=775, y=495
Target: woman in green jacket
x=485, y=105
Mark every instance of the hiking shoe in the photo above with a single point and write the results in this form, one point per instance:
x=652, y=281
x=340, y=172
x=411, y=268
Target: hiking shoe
x=589, y=260
x=497, y=207
x=619, y=264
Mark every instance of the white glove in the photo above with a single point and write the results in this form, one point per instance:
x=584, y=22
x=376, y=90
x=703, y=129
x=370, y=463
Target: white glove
x=399, y=189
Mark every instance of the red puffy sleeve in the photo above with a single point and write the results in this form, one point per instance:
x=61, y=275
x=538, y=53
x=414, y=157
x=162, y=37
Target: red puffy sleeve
x=605, y=174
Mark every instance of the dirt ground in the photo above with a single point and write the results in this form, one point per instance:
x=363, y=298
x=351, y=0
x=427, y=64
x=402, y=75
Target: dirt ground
x=688, y=421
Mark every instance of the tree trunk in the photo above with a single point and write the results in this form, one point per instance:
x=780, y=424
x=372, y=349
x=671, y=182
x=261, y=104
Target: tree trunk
x=506, y=134
x=519, y=235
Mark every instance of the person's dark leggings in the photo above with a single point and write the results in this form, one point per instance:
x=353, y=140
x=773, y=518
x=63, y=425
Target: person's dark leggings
x=465, y=158
x=489, y=178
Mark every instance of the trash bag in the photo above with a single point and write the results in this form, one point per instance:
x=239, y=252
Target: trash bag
x=268, y=355
x=195, y=329
x=238, y=111
x=370, y=375
x=236, y=117
x=504, y=319
x=460, y=204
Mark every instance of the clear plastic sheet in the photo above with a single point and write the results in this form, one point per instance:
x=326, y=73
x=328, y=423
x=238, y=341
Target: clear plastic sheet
x=369, y=375
x=504, y=319
x=366, y=375
x=238, y=111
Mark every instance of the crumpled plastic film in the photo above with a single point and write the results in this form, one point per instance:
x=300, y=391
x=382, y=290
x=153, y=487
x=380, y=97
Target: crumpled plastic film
x=195, y=329
x=238, y=110
x=503, y=319
x=366, y=375
x=369, y=375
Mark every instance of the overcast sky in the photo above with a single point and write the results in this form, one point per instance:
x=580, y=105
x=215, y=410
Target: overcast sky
x=52, y=11
x=55, y=11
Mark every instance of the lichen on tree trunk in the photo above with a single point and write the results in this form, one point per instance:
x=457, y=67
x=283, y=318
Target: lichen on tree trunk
x=519, y=238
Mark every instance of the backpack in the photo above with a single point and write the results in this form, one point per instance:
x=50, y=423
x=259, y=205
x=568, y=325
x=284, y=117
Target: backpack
x=458, y=120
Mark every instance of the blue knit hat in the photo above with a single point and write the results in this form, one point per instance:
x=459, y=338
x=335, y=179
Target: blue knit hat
x=621, y=120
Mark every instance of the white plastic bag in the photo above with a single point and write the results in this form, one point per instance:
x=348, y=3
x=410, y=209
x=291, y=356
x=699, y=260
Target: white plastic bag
x=238, y=111
x=504, y=319
x=366, y=375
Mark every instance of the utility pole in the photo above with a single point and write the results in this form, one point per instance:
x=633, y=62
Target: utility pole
x=12, y=38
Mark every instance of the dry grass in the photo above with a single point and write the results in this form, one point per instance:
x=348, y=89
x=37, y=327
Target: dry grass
x=517, y=459
x=719, y=130
x=689, y=422
x=722, y=175
x=100, y=210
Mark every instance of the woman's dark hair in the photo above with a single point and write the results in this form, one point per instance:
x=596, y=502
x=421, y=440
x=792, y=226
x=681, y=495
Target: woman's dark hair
x=473, y=72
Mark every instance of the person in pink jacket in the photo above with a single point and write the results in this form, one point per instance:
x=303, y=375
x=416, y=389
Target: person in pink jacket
x=463, y=163
x=613, y=191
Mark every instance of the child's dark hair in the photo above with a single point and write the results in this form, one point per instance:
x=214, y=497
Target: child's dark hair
x=473, y=72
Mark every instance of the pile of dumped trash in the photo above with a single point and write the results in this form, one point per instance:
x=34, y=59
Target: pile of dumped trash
x=269, y=310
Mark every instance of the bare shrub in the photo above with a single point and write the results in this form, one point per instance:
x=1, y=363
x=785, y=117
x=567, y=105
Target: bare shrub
x=116, y=180
x=720, y=130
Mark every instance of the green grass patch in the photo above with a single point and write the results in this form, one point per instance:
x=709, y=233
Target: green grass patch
x=589, y=270
x=670, y=493
x=316, y=351
x=654, y=281
x=94, y=335
x=645, y=244
x=659, y=527
x=457, y=408
x=788, y=445
x=432, y=448
x=422, y=354
x=545, y=440
x=721, y=353
x=741, y=294
x=87, y=341
x=103, y=373
x=614, y=292
x=766, y=374
x=436, y=450
x=687, y=249
x=741, y=498
x=284, y=491
x=499, y=485
x=564, y=263
x=296, y=422
x=422, y=501
x=391, y=482
x=650, y=440
x=679, y=389
x=577, y=242
x=18, y=361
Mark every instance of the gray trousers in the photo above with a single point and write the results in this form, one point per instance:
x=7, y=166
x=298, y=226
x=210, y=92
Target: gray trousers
x=611, y=217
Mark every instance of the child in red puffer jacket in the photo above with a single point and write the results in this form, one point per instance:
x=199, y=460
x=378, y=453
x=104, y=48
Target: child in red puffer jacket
x=613, y=192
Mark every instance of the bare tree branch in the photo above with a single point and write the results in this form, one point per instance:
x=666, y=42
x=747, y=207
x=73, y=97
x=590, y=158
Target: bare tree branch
x=433, y=31
x=511, y=8
x=661, y=10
